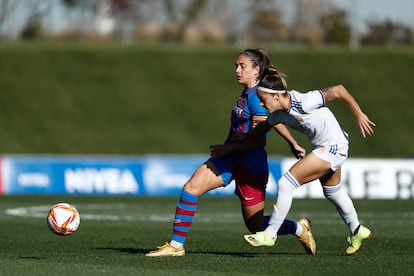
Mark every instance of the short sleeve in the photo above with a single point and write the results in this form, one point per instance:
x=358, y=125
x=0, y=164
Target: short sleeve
x=312, y=100
x=256, y=109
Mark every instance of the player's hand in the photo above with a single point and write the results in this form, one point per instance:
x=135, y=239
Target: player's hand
x=298, y=151
x=365, y=125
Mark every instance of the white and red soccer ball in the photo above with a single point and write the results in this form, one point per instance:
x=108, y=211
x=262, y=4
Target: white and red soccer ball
x=63, y=219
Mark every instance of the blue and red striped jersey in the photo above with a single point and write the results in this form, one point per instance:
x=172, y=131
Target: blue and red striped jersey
x=244, y=116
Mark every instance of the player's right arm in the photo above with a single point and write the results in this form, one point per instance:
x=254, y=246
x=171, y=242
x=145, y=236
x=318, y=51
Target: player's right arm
x=340, y=92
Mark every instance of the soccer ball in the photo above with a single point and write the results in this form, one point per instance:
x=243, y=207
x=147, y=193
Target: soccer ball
x=63, y=219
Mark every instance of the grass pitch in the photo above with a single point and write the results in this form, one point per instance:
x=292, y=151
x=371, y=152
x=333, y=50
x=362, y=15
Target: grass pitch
x=115, y=232
x=75, y=98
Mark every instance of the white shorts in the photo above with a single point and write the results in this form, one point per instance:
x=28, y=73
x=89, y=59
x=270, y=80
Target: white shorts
x=334, y=154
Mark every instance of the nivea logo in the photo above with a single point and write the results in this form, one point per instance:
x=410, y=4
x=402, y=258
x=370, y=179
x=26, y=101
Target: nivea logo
x=35, y=179
x=107, y=180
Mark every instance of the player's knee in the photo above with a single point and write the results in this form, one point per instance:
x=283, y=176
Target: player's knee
x=195, y=187
x=191, y=188
x=287, y=183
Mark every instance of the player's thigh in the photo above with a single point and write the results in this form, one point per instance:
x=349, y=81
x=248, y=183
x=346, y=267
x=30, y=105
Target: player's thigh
x=309, y=168
x=333, y=178
x=251, y=190
x=204, y=179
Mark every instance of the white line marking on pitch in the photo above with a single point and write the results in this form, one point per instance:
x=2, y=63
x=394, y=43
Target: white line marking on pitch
x=42, y=210
x=325, y=218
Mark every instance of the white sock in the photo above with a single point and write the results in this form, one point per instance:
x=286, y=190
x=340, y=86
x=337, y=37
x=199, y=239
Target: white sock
x=343, y=204
x=176, y=244
x=286, y=186
x=299, y=229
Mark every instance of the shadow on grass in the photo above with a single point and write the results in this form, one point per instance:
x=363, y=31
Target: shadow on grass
x=222, y=253
x=125, y=250
x=31, y=257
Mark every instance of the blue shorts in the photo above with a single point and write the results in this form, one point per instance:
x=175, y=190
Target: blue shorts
x=224, y=166
x=250, y=188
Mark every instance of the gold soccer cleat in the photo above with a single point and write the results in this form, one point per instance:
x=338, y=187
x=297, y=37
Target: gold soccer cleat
x=167, y=250
x=306, y=238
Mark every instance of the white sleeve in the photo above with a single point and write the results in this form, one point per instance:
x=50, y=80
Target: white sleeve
x=312, y=100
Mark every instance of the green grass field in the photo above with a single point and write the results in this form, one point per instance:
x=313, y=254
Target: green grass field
x=115, y=232
x=135, y=100
x=117, y=99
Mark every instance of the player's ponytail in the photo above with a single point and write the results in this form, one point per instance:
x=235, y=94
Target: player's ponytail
x=260, y=58
x=273, y=79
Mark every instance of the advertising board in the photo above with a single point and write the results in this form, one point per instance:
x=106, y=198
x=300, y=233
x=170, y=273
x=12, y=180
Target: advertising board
x=161, y=175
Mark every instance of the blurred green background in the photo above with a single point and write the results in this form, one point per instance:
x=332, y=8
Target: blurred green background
x=80, y=98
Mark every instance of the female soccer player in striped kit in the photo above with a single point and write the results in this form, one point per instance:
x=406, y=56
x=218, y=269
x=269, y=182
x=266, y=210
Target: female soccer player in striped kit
x=245, y=162
x=307, y=113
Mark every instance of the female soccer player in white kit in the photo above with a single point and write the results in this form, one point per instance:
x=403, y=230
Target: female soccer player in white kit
x=307, y=113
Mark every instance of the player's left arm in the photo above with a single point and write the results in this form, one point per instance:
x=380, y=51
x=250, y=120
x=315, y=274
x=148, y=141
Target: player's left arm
x=364, y=124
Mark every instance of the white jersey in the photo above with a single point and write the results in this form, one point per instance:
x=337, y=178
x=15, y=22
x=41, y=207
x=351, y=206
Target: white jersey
x=309, y=115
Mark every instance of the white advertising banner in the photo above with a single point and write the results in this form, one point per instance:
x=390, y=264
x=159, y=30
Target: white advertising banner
x=368, y=178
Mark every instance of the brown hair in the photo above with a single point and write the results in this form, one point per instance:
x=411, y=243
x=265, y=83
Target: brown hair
x=273, y=79
x=260, y=58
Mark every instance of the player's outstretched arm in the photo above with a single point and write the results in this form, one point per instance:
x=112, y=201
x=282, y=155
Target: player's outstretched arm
x=258, y=131
x=364, y=124
x=220, y=150
x=251, y=140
